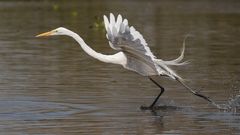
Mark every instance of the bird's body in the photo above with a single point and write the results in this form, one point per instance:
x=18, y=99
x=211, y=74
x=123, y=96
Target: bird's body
x=134, y=53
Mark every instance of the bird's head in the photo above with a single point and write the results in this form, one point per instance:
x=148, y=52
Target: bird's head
x=58, y=31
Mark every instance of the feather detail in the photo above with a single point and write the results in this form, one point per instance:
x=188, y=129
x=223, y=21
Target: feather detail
x=140, y=59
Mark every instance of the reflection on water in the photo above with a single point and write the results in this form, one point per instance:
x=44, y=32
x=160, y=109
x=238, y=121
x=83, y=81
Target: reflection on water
x=50, y=86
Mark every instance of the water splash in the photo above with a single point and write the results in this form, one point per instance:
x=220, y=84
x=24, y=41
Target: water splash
x=233, y=104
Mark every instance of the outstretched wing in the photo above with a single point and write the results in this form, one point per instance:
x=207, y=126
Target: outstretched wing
x=126, y=39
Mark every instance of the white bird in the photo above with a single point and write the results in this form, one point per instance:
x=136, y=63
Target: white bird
x=134, y=53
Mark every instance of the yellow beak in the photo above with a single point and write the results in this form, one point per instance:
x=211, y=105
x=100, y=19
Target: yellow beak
x=45, y=34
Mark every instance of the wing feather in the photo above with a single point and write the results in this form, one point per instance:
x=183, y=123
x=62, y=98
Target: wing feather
x=127, y=39
x=106, y=23
x=119, y=32
x=140, y=59
x=112, y=20
x=119, y=21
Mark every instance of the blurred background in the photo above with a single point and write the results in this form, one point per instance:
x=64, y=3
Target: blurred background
x=50, y=86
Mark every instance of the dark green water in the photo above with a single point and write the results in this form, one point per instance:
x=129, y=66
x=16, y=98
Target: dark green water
x=50, y=86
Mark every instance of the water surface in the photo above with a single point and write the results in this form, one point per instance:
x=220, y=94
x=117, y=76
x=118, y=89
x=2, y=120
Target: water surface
x=50, y=86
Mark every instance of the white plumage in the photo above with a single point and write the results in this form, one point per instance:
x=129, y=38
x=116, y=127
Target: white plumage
x=125, y=38
x=134, y=53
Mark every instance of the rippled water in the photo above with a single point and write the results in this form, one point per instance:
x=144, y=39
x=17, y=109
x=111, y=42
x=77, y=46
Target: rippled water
x=50, y=86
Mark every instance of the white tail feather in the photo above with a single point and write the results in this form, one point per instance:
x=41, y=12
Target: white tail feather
x=176, y=62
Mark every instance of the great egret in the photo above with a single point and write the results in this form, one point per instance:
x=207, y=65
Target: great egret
x=134, y=53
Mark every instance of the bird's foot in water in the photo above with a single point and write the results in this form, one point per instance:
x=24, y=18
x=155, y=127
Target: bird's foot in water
x=154, y=108
x=146, y=107
x=151, y=107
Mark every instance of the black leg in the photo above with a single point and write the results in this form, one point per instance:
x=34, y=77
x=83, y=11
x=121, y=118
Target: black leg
x=161, y=92
x=156, y=99
x=195, y=92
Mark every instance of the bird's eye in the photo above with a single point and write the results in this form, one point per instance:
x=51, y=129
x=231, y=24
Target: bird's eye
x=56, y=30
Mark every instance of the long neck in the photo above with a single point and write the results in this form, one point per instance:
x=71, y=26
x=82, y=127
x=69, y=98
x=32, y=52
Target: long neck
x=91, y=52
